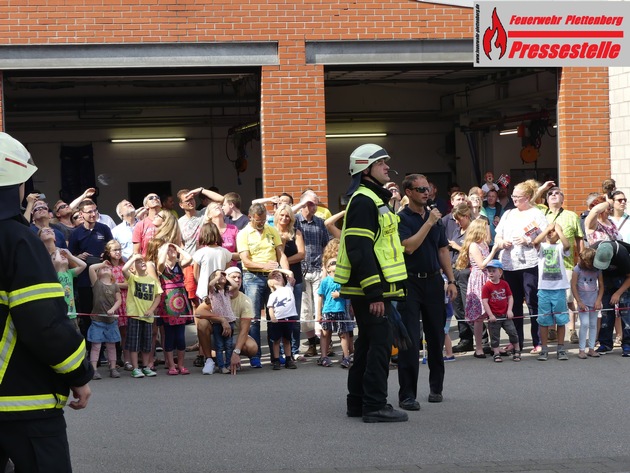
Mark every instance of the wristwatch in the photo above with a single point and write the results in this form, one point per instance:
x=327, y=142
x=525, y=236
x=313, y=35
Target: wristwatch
x=237, y=351
x=452, y=282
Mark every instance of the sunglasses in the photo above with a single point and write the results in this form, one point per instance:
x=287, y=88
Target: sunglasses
x=153, y=197
x=37, y=209
x=554, y=193
x=420, y=189
x=75, y=217
x=621, y=200
x=61, y=207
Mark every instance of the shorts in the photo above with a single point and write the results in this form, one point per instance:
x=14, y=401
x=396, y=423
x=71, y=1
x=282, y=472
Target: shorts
x=103, y=332
x=139, y=336
x=552, y=307
x=283, y=328
x=189, y=282
x=338, y=322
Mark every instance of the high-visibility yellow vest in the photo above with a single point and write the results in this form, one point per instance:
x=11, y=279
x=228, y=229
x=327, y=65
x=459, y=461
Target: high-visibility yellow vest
x=388, y=250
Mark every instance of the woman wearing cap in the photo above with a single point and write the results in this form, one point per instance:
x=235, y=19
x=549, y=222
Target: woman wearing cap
x=515, y=233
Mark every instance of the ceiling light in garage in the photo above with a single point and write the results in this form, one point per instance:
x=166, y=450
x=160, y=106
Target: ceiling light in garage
x=509, y=131
x=355, y=135
x=146, y=140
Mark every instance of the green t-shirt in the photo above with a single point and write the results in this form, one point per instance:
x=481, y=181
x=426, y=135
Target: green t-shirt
x=141, y=293
x=66, y=280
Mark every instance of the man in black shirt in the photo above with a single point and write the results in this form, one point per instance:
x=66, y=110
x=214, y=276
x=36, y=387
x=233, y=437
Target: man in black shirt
x=426, y=252
x=613, y=258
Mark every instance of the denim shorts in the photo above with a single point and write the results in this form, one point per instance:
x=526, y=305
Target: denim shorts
x=103, y=332
x=552, y=307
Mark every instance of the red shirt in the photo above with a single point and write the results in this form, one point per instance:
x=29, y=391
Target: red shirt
x=498, y=296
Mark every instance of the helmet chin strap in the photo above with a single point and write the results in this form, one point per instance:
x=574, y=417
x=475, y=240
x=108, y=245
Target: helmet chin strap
x=373, y=179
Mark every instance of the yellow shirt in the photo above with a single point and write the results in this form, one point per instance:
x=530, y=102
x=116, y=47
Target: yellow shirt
x=323, y=213
x=142, y=292
x=261, y=246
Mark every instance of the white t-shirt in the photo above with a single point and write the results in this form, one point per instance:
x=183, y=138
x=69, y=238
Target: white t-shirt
x=623, y=226
x=283, y=302
x=551, y=271
x=209, y=259
x=516, y=223
x=190, y=227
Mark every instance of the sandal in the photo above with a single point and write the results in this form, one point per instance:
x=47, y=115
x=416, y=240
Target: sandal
x=325, y=361
x=199, y=362
x=173, y=372
x=497, y=358
x=537, y=349
x=582, y=355
x=516, y=356
x=184, y=371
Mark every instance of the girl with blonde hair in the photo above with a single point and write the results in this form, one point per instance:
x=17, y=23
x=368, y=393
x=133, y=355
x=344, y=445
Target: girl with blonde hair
x=167, y=228
x=476, y=254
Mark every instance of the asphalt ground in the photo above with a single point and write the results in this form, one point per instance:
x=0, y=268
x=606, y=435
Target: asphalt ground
x=532, y=416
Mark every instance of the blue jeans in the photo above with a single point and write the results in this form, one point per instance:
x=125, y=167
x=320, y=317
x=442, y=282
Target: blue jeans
x=255, y=285
x=223, y=344
x=608, y=314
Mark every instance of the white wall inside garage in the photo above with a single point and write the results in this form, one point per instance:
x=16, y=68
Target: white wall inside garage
x=619, y=85
x=199, y=161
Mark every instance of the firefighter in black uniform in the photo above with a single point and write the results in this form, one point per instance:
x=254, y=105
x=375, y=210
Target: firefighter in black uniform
x=371, y=271
x=42, y=356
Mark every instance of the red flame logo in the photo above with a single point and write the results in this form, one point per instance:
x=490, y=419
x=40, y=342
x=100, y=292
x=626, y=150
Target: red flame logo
x=501, y=41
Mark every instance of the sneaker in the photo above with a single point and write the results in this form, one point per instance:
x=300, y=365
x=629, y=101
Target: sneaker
x=603, y=349
x=573, y=336
x=276, y=365
x=208, y=367
x=283, y=360
x=536, y=349
x=97, y=375
x=562, y=355
x=290, y=364
x=553, y=335
x=114, y=373
x=345, y=363
x=617, y=342
x=128, y=366
x=325, y=361
x=543, y=356
x=449, y=358
x=148, y=372
x=626, y=353
x=225, y=370
x=254, y=362
x=136, y=373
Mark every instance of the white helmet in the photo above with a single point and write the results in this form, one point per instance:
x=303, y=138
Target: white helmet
x=16, y=165
x=362, y=157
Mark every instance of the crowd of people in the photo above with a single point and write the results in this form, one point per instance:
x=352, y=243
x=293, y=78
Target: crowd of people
x=135, y=286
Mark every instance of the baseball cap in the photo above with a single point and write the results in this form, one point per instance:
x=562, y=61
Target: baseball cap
x=603, y=255
x=232, y=269
x=495, y=263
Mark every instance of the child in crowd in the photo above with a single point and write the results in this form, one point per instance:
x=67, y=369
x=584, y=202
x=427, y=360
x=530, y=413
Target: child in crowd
x=171, y=261
x=113, y=254
x=332, y=314
x=143, y=299
x=283, y=315
x=475, y=252
x=488, y=183
x=61, y=259
x=104, y=329
x=209, y=257
x=587, y=285
x=552, y=286
x=448, y=343
x=219, y=299
x=498, y=301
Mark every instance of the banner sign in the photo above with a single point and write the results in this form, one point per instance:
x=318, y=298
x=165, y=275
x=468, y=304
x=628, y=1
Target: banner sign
x=551, y=34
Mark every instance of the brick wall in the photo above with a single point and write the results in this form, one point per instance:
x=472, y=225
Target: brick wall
x=293, y=114
x=583, y=133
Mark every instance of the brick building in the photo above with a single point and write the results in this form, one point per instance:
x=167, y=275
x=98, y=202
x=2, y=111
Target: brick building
x=300, y=55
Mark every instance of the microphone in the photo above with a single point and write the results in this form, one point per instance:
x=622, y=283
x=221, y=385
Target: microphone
x=431, y=205
x=394, y=171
